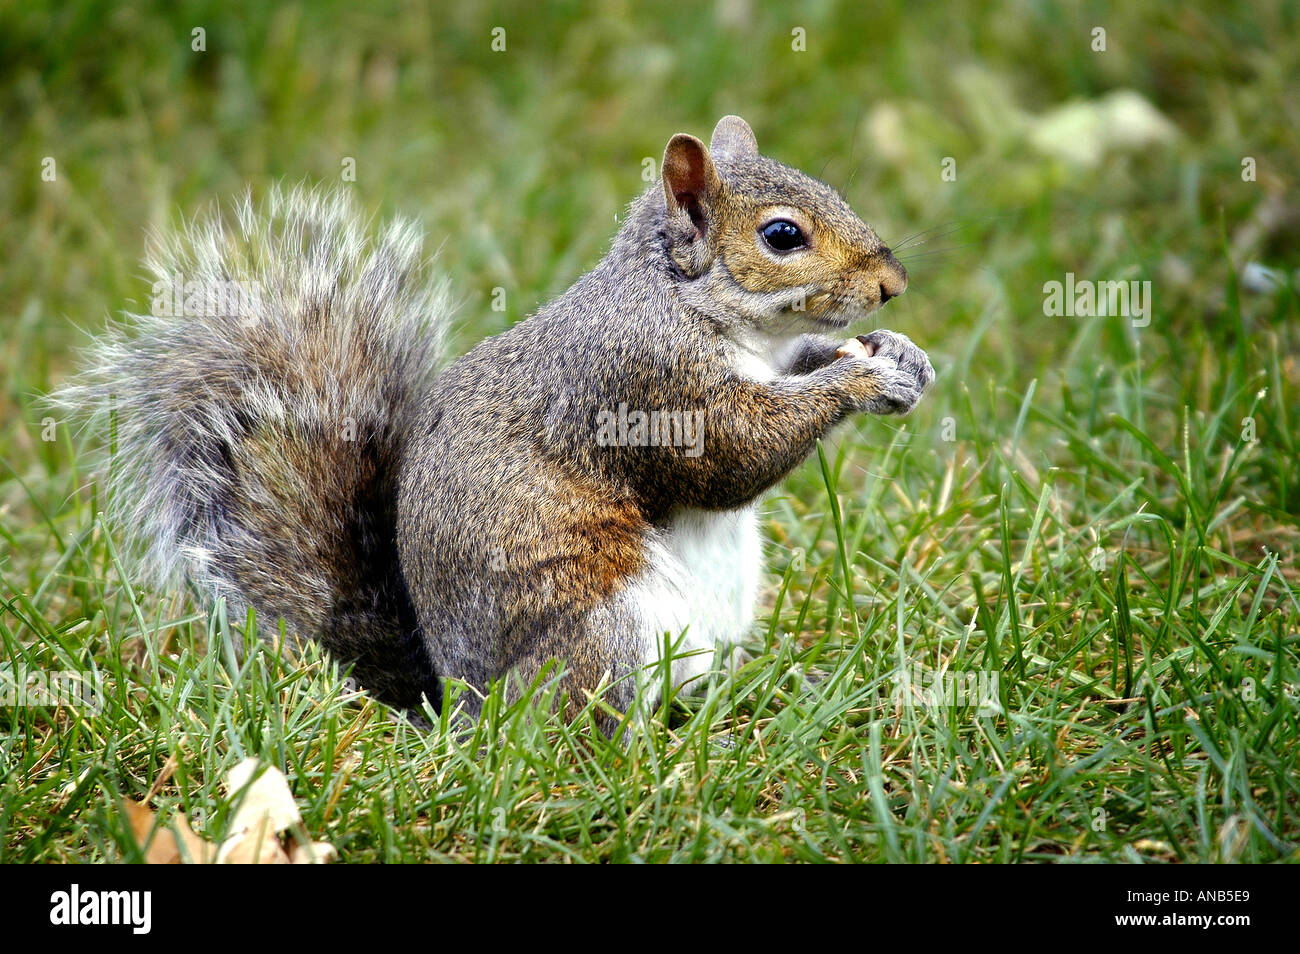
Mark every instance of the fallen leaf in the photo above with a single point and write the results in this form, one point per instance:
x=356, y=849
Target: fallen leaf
x=258, y=846
x=267, y=796
x=265, y=810
x=314, y=853
x=1083, y=131
x=165, y=848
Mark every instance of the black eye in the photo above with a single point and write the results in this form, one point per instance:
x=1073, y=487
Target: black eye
x=782, y=236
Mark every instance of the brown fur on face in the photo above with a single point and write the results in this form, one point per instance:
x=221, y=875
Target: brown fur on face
x=845, y=263
x=844, y=272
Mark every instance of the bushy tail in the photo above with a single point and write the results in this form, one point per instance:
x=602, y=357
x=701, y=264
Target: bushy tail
x=259, y=406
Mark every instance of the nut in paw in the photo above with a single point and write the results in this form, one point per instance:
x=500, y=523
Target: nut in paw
x=855, y=348
x=906, y=356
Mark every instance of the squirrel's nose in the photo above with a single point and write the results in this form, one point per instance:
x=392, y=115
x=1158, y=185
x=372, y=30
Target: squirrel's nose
x=893, y=276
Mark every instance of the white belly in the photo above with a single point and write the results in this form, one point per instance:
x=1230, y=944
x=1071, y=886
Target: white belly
x=700, y=588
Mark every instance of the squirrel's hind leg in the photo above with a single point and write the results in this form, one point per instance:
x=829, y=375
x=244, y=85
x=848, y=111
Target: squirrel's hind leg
x=600, y=652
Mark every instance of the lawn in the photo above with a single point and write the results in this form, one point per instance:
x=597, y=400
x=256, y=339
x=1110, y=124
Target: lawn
x=1052, y=616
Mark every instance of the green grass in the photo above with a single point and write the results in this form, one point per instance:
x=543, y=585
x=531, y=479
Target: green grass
x=1075, y=510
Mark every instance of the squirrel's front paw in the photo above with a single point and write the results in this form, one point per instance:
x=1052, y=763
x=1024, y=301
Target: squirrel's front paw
x=888, y=373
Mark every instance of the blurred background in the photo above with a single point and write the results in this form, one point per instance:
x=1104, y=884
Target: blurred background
x=1028, y=142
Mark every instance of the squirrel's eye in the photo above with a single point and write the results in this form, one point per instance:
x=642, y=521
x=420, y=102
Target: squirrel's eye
x=782, y=236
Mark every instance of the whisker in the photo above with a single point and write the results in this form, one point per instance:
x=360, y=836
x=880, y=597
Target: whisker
x=929, y=235
x=853, y=145
x=902, y=243
x=852, y=175
x=934, y=252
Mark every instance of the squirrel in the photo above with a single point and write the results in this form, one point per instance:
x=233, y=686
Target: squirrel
x=581, y=487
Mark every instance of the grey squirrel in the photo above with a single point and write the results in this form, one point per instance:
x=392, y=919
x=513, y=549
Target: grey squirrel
x=573, y=488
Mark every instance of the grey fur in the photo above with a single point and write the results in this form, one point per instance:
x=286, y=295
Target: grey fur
x=472, y=525
x=233, y=465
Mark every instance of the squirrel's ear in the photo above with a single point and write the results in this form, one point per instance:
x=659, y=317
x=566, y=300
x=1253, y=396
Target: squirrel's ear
x=733, y=137
x=690, y=181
